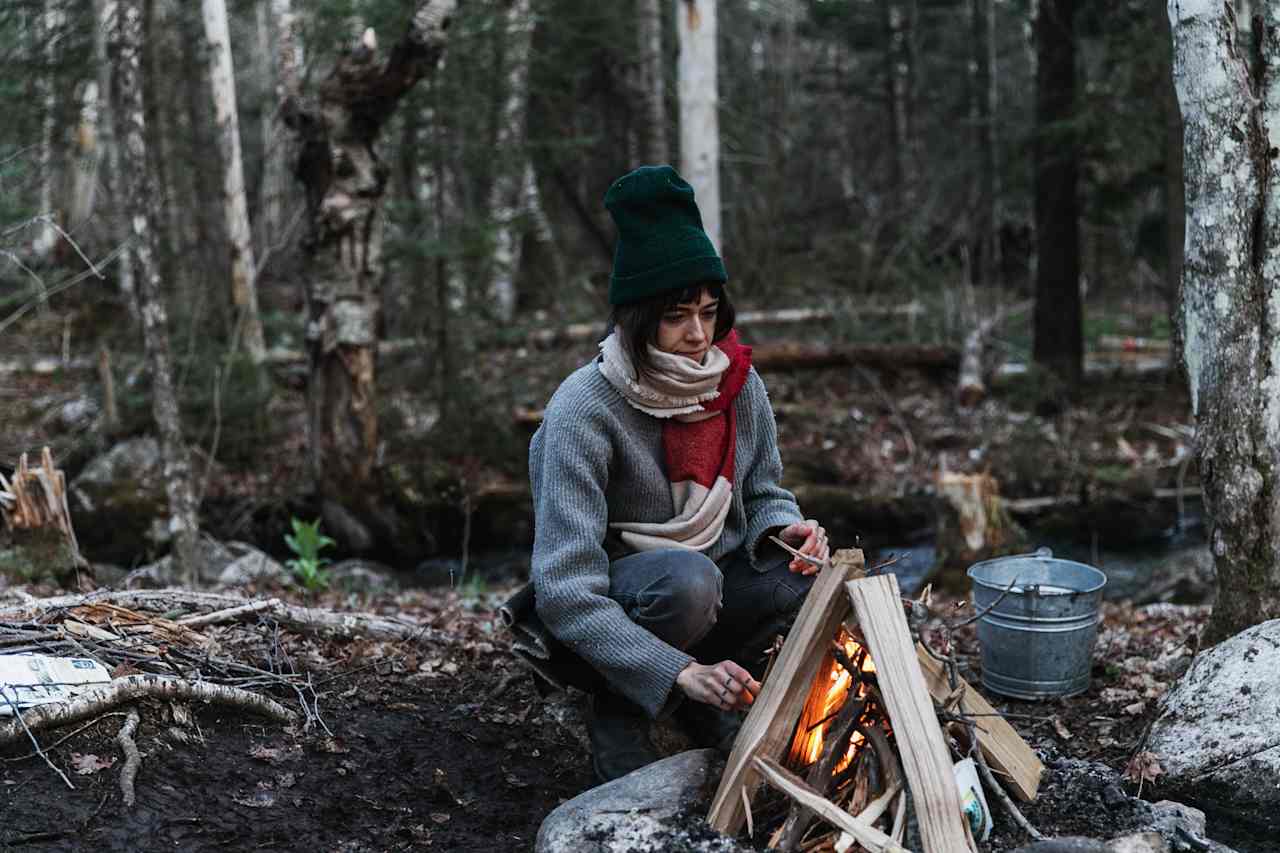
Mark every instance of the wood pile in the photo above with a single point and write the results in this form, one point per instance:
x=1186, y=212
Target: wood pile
x=856, y=727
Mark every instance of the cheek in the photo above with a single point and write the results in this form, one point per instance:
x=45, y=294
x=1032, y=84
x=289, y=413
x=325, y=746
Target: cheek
x=668, y=337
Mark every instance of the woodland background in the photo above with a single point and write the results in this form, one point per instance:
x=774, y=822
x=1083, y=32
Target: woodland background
x=871, y=155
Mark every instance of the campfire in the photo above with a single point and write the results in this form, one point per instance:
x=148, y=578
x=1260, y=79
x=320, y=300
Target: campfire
x=848, y=734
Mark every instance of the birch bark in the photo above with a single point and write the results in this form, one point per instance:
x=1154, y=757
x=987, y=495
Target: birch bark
x=244, y=286
x=699, y=102
x=51, y=20
x=184, y=522
x=508, y=198
x=652, y=83
x=1230, y=306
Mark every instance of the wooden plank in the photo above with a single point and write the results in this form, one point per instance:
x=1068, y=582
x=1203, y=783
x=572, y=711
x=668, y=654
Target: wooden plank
x=925, y=757
x=769, y=724
x=1015, y=763
x=791, y=785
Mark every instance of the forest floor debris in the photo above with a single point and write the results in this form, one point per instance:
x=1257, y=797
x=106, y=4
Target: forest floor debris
x=421, y=744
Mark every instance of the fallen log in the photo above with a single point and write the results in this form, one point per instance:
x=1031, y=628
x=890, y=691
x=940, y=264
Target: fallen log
x=799, y=356
x=99, y=700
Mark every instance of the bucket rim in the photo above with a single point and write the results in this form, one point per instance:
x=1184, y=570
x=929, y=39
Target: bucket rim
x=1099, y=583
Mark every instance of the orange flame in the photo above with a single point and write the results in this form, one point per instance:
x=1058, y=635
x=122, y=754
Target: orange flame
x=823, y=704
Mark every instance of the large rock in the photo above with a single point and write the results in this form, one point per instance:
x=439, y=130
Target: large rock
x=1217, y=736
x=642, y=811
x=253, y=567
x=118, y=503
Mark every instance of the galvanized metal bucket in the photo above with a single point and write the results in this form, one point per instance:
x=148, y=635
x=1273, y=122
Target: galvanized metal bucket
x=1037, y=641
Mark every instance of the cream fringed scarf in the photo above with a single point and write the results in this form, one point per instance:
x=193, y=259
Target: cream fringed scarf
x=695, y=403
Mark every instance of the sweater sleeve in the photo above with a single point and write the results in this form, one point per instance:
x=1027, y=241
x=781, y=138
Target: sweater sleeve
x=569, y=470
x=767, y=504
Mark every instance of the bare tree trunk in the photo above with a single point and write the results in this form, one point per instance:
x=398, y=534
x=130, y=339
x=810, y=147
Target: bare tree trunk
x=103, y=12
x=1174, y=201
x=1059, y=322
x=275, y=167
x=1230, y=104
x=244, y=286
x=699, y=102
x=893, y=99
x=337, y=127
x=184, y=522
x=49, y=29
x=983, y=239
x=507, y=196
x=652, y=82
x=88, y=156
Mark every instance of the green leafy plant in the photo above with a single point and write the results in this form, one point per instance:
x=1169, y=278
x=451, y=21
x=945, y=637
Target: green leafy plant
x=306, y=542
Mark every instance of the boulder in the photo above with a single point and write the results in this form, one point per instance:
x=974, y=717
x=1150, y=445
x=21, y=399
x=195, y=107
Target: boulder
x=213, y=558
x=1143, y=842
x=118, y=503
x=647, y=810
x=1217, y=736
x=362, y=576
x=253, y=567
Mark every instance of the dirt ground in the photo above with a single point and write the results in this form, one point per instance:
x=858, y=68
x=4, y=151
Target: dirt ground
x=449, y=747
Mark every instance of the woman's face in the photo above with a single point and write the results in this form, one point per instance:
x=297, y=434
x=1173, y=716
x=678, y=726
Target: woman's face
x=687, y=328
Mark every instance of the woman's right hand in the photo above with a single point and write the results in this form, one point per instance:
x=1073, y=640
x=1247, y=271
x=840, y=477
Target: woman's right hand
x=724, y=685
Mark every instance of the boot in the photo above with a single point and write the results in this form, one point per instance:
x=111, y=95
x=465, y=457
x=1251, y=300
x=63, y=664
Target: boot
x=709, y=727
x=619, y=733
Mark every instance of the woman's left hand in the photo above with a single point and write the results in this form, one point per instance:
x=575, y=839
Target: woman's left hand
x=809, y=538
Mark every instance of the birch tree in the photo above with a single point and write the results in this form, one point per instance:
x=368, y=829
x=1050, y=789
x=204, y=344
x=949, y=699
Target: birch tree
x=49, y=29
x=699, y=102
x=1230, y=307
x=510, y=192
x=651, y=82
x=244, y=286
x=142, y=202
x=337, y=125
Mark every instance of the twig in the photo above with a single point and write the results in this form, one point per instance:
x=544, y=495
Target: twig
x=984, y=611
x=132, y=759
x=997, y=791
x=25, y=728
x=60, y=741
x=230, y=614
x=811, y=560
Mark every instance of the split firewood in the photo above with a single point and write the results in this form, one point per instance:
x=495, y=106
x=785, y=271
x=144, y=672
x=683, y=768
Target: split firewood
x=868, y=836
x=835, y=745
x=870, y=814
x=131, y=688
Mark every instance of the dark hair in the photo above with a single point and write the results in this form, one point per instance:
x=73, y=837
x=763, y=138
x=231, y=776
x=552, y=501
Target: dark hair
x=637, y=322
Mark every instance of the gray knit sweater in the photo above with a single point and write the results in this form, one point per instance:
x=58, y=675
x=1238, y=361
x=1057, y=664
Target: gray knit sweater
x=596, y=460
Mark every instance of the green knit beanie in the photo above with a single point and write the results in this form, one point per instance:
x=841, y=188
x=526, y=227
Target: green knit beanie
x=661, y=244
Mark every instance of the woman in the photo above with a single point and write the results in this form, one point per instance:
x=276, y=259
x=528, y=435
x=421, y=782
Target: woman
x=655, y=479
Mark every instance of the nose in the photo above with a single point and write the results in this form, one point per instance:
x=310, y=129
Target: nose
x=694, y=331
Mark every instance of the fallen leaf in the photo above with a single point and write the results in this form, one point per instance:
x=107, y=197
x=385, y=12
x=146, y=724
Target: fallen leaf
x=265, y=753
x=333, y=745
x=440, y=817
x=1143, y=767
x=1135, y=709
x=88, y=763
x=1060, y=728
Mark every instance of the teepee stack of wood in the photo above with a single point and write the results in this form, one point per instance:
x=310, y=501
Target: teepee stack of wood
x=814, y=686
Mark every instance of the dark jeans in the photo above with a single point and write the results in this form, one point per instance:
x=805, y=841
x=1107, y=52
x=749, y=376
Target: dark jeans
x=714, y=612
